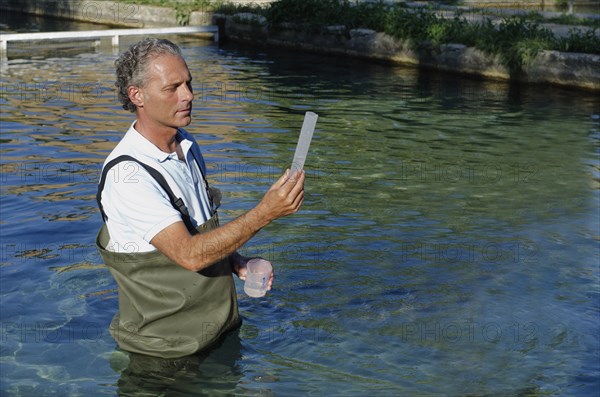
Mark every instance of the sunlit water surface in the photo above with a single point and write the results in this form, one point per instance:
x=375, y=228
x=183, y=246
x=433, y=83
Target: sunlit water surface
x=448, y=244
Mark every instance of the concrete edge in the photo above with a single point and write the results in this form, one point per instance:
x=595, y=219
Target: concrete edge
x=107, y=12
x=549, y=67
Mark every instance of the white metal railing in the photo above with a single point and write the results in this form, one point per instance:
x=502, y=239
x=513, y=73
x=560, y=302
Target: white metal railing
x=114, y=33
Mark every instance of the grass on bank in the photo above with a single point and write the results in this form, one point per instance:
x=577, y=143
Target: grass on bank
x=516, y=39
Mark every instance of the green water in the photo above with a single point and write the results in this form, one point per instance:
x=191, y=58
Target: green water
x=448, y=244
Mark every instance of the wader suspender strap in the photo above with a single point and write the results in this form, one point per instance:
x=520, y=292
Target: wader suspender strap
x=211, y=202
x=176, y=202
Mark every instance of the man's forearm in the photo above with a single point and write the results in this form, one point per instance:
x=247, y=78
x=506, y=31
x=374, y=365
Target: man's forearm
x=208, y=248
x=199, y=251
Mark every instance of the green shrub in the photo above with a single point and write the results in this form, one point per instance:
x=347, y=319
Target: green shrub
x=561, y=5
x=368, y=15
x=232, y=8
x=309, y=13
x=316, y=14
x=577, y=41
x=515, y=40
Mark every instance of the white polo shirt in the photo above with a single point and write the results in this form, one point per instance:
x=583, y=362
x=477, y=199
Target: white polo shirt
x=136, y=206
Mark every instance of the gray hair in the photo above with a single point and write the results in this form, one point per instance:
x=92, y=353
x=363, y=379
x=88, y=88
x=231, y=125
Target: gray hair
x=132, y=65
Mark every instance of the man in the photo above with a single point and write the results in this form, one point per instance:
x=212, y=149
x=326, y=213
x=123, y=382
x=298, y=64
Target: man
x=161, y=240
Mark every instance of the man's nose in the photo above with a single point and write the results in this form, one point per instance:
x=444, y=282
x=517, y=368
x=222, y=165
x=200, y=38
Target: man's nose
x=187, y=93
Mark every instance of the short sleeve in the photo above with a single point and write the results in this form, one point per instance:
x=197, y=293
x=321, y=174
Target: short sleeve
x=135, y=204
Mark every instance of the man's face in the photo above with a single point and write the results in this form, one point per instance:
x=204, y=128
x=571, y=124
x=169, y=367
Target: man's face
x=166, y=98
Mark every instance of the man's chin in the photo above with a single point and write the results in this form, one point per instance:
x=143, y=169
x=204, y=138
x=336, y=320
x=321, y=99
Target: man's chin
x=185, y=121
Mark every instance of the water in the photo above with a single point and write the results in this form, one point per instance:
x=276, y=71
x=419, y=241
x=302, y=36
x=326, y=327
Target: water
x=448, y=244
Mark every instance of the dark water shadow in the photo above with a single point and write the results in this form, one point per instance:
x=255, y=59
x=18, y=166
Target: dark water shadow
x=213, y=371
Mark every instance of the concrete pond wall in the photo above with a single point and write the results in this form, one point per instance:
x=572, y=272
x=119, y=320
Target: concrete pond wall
x=552, y=67
x=549, y=67
x=107, y=12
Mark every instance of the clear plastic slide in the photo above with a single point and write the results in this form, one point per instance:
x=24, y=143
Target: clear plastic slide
x=308, y=128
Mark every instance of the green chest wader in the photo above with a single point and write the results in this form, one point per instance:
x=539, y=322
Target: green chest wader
x=165, y=310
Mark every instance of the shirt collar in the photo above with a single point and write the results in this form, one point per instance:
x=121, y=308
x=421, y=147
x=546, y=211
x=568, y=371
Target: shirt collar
x=149, y=149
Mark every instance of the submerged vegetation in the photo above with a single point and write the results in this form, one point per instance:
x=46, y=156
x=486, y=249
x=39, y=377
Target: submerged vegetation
x=516, y=39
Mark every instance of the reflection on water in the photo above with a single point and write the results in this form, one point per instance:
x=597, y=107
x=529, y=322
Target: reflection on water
x=447, y=246
x=216, y=370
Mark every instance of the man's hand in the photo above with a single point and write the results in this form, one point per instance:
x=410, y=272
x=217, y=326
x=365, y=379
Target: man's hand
x=285, y=197
x=197, y=252
x=238, y=262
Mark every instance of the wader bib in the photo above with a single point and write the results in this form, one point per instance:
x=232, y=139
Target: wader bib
x=165, y=310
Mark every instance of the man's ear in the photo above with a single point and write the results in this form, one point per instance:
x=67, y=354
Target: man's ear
x=135, y=96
